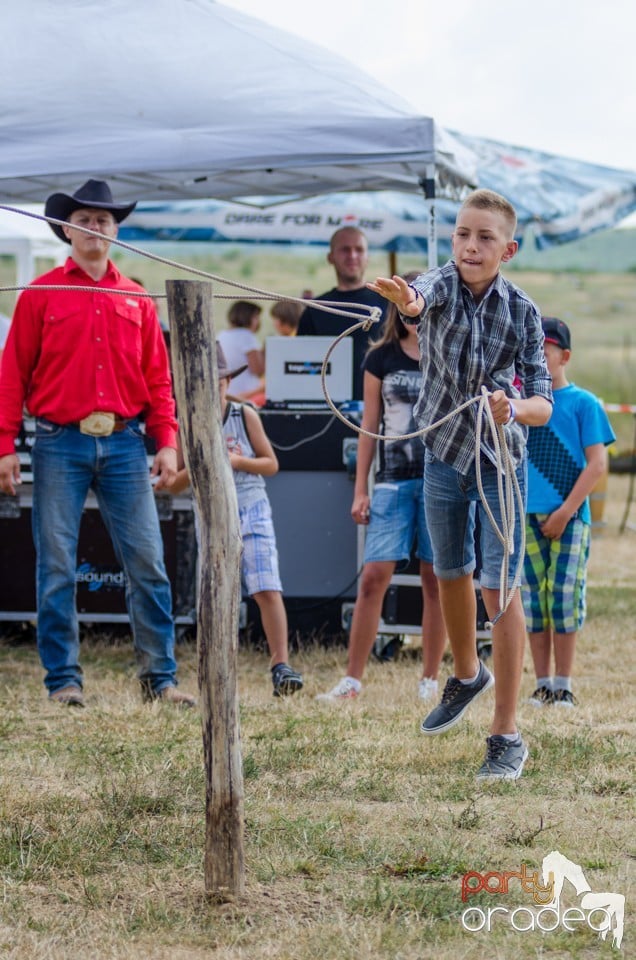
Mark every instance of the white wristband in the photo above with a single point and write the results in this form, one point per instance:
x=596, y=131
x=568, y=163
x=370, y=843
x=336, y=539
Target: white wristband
x=513, y=413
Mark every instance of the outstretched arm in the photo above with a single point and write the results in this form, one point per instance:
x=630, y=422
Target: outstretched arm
x=408, y=301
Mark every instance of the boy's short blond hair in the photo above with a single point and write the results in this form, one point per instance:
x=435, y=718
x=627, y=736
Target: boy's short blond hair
x=489, y=200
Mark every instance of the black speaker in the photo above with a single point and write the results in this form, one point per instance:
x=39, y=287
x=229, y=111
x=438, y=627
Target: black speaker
x=99, y=579
x=308, y=440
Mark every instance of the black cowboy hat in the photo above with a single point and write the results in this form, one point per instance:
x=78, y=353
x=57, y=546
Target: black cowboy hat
x=93, y=194
x=222, y=367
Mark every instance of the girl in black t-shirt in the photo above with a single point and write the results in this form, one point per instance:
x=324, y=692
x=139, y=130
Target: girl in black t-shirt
x=394, y=513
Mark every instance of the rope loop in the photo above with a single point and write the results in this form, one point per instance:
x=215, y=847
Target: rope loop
x=374, y=317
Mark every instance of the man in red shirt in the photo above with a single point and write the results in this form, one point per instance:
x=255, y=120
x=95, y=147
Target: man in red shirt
x=88, y=364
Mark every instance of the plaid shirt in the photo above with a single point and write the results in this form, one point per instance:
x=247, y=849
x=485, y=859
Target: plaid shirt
x=465, y=345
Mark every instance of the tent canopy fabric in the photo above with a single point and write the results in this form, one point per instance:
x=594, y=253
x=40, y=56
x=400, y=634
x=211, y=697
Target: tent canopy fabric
x=557, y=199
x=185, y=99
x=561, y=198
x=189, y=98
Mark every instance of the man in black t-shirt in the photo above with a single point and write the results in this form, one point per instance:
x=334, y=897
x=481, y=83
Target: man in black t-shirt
x=349, y=256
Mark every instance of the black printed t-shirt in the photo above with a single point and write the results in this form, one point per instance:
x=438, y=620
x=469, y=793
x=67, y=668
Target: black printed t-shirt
x=401, y=380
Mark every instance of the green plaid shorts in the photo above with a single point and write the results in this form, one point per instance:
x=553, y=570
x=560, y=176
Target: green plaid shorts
x=554, y=576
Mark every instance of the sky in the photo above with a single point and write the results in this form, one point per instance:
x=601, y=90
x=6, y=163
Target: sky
x=555, y=75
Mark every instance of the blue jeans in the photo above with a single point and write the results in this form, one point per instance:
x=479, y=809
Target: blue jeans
x=396, y=516
x=451, y=499
x=66, y=464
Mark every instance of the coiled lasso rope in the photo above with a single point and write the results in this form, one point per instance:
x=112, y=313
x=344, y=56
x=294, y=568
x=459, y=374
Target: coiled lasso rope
x=507, y=484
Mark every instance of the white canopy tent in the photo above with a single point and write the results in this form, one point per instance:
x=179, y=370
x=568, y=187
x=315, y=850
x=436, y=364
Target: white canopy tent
x=25, y=239
x=170, y=99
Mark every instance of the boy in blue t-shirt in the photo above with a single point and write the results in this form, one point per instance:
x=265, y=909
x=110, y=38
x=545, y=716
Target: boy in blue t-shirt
x=566, y=457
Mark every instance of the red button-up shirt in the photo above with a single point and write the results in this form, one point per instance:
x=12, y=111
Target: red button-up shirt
x=69, y=353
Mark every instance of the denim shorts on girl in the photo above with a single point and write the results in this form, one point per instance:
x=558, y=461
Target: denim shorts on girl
x=396, y=517
x=554, y=588
x=259, y=564
x=452, y=503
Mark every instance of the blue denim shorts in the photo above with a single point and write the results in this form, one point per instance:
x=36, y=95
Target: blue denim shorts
x=452, y=504
x=395, y=518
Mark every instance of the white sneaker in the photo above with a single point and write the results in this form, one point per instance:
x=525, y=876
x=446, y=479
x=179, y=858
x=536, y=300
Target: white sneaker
x=344, y=690
x=427, y=689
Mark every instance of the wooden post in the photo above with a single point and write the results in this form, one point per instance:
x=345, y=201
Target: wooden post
x=196, y=382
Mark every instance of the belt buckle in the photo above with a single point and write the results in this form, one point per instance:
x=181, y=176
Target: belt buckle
x=98, y=424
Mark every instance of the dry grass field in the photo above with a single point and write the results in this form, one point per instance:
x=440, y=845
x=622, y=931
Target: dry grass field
x=358, y=829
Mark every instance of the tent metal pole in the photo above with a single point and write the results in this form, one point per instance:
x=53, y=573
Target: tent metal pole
x=428, y=187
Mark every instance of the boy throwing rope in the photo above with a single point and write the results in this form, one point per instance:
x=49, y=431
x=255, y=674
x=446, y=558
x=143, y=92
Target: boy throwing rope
x=476, y=329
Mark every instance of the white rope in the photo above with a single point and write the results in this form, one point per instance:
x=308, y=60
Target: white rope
x=329, y=306
x=127, y=293
x=76, y=287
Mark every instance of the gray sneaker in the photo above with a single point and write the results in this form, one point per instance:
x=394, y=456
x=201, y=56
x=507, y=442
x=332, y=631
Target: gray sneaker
x=456, y=699
x=504, y=759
